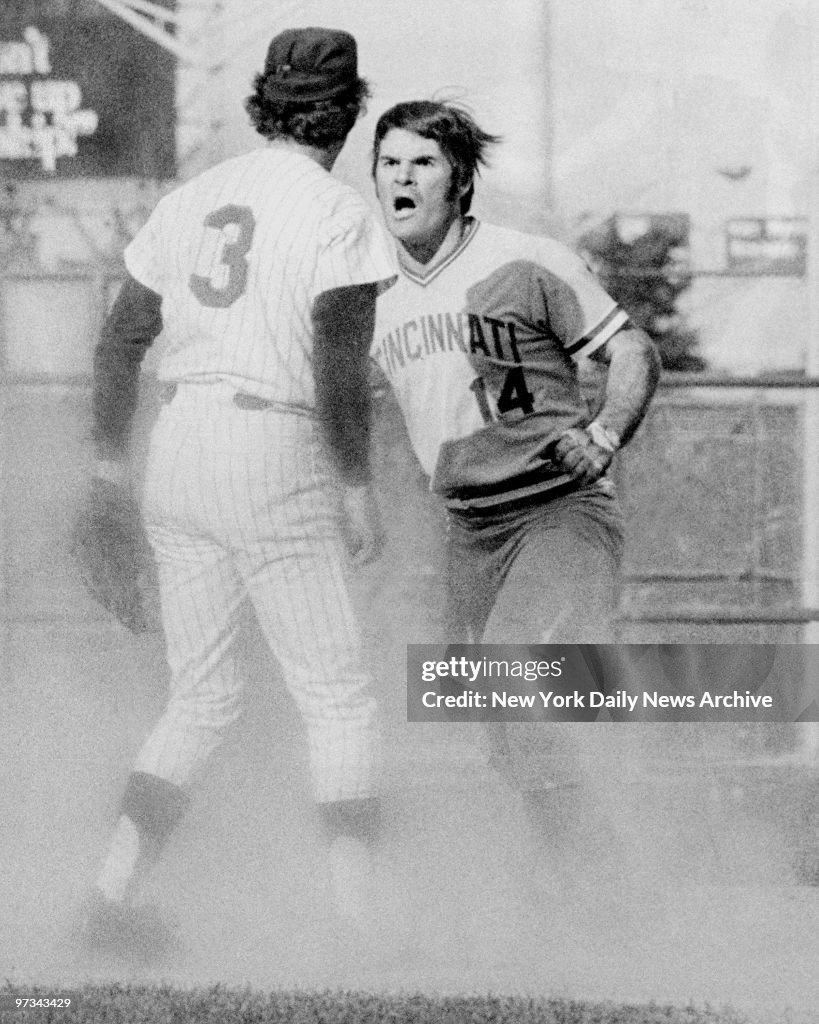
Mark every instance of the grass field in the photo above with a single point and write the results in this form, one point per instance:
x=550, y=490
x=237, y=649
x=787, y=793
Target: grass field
x=116, y=1004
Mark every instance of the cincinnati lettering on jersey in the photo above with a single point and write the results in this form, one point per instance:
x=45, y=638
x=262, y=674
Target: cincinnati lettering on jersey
x=445, y=332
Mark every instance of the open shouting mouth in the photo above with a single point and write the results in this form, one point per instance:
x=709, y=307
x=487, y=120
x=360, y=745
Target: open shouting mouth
x=403, y=205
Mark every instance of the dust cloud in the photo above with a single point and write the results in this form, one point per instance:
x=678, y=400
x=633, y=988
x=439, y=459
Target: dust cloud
x=674, y=880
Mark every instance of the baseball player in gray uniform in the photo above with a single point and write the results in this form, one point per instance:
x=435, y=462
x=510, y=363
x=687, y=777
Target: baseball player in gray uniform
x=262, y=273
x=480, y=340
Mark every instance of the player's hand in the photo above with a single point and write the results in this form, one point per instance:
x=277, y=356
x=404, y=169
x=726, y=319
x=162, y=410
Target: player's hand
x=361, y=525
x=580, y=457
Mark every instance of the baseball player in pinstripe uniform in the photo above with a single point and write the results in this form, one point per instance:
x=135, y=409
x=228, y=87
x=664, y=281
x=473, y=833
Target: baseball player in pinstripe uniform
x=480, y=339
x=262, y=273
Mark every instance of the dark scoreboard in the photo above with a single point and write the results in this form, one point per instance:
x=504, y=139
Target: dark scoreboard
x=83, y=94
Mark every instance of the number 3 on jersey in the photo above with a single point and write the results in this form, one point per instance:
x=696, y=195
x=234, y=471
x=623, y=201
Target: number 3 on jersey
x=221, y=288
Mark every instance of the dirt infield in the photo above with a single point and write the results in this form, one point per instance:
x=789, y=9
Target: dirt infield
x=702, y=905
x=244, y=877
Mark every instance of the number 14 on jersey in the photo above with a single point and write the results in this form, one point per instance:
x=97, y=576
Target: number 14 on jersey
x=513, y=395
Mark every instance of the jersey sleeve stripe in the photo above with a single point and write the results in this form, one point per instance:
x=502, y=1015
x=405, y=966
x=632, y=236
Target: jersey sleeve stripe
x=616, y=319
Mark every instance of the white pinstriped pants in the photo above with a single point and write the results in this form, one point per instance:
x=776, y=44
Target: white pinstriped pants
x=239, y=503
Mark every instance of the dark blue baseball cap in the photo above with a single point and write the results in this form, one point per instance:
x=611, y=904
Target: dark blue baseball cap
x=310, y=64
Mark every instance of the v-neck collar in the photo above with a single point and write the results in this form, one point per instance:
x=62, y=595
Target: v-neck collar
x=432, y=270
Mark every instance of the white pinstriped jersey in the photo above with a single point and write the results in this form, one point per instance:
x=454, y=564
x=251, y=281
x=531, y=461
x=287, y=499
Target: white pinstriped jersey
x=480, y=352
x=239, y=255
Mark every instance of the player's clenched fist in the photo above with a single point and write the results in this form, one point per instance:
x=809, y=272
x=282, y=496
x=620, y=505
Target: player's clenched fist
x=581, y=456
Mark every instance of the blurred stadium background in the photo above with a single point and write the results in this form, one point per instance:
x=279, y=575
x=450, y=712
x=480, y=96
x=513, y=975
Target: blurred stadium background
x=618, y=115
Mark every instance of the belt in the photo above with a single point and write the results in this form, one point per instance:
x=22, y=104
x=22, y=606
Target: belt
x=487, y=504
x=241, y=399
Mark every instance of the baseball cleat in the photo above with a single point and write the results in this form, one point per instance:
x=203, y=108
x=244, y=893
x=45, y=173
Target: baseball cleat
x=122, y=930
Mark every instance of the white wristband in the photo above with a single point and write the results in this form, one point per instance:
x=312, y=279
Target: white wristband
x=603, y=437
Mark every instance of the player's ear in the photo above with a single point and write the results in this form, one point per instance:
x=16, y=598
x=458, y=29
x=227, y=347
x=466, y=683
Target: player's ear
x=465, y=194
x=466, y=187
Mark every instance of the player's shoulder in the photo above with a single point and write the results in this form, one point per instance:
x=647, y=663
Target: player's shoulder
x=320, y=195
x=231, y=169
x=341, y=200
x=203, y=184
x=345, y=217
x=271, y=180
x=542, y=247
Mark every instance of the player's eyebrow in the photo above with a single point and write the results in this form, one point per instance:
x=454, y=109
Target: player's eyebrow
x=419, y=158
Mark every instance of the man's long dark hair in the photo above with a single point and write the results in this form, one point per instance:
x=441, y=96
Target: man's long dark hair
x=462, y=142
x=321, y=124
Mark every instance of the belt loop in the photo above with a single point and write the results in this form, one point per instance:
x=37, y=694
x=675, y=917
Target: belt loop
x=252, y=403
x=167, y=391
